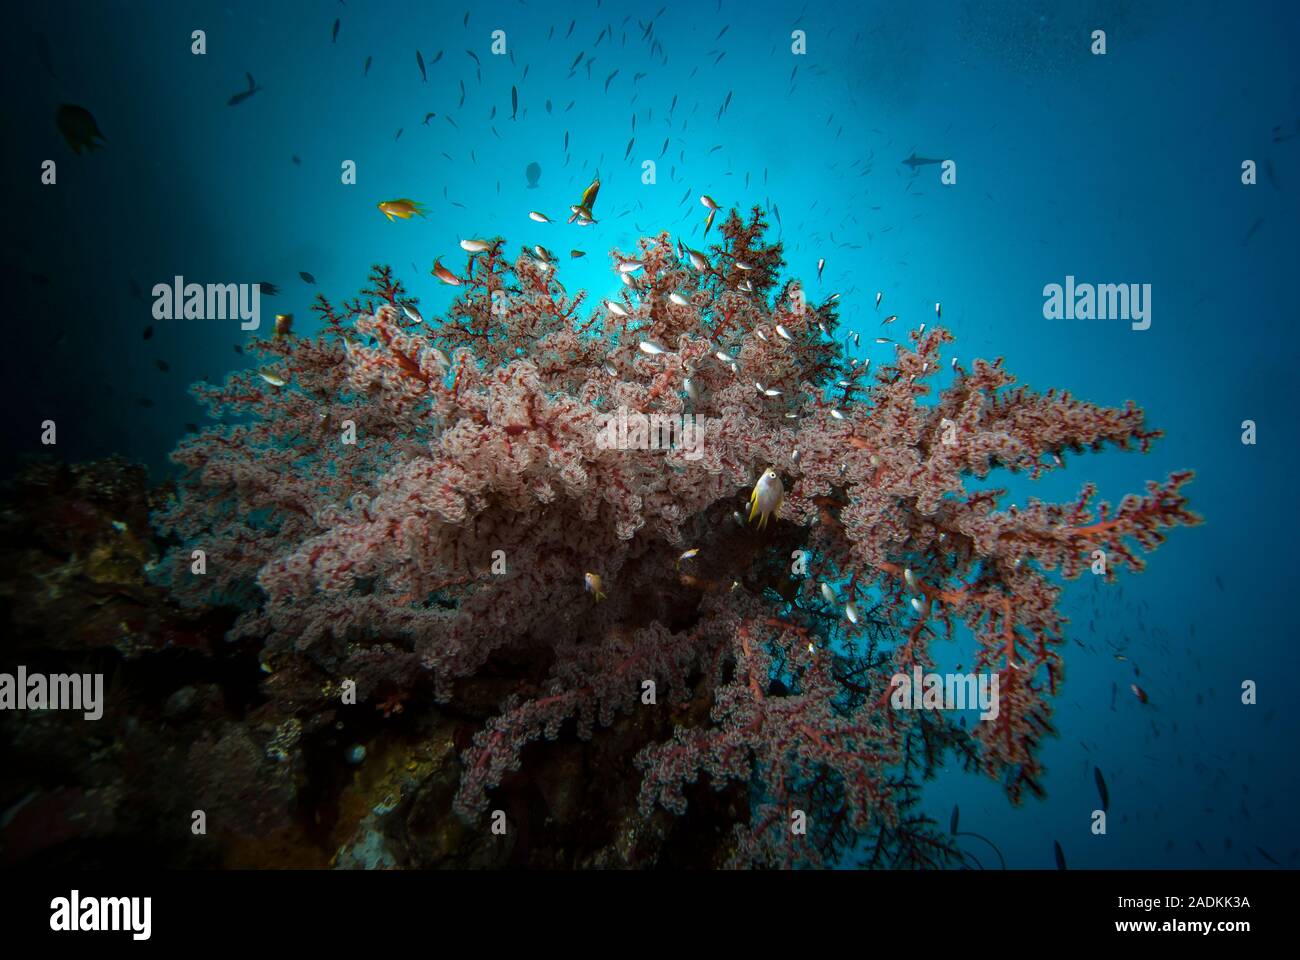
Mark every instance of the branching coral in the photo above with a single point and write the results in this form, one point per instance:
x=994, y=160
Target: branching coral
x=422, y=498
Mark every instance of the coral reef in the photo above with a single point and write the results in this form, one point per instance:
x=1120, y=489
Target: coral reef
x=187, y=725
x=412, y=506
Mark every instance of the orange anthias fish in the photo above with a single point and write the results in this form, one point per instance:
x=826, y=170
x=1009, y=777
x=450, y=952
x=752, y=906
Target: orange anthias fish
x=400, y=208
x=445, y=275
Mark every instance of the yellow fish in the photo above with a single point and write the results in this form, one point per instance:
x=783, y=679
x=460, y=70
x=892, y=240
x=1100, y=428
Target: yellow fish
x=583, y=208
x=400, y=208
x=592, y=583
x=283, y=325
x=766, y=499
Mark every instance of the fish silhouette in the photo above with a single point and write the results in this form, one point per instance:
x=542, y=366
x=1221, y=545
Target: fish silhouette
x=914, y=161
x=534, y=173
x=78, y=127
x=244, y=94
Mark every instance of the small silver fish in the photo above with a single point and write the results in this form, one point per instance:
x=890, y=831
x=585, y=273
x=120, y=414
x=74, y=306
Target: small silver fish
x=851, y=611
x=760, y=334
x=827, y=593
x=691, y=389
x=412, y=314
x=652, y=348
x=879, y=295
x=783, y=333
x=539, y=217
x=615, y=308
x=630, y=266
x=678, y=299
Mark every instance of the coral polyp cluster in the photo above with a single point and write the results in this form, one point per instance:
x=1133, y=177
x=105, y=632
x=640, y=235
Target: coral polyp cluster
x=421, y=502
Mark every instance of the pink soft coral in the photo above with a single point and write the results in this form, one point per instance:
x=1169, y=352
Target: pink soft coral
x=462, y=520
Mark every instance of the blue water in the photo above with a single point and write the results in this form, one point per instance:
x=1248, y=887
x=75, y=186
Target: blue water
x=1114, y=169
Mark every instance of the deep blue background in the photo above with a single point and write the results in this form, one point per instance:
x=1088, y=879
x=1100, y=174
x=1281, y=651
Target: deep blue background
x=1120, y=168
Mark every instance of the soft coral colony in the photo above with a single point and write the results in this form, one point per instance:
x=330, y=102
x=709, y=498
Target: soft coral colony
x=458, y=529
